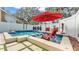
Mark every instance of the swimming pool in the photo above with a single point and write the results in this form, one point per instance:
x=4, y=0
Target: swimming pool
x=56, y=39
x=37, y=34
x=28, y=32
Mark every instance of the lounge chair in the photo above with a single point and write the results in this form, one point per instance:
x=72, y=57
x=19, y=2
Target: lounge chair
x=8, y=38
x=52, y=33
x=46, y=37
x=47, y=29
x=40, y=28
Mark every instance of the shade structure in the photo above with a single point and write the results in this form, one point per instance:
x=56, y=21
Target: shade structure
x=46, y=16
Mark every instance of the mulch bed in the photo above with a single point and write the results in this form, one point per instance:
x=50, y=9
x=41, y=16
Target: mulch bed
x=75, y=43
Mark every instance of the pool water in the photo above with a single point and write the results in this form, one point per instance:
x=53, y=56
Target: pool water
x=20, y=33
x=56, y=39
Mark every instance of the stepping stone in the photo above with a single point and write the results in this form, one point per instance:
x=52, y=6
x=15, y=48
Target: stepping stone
x=35, y=48
x=16, y=47
x=26, y=49
x=11, y=44
x=27, y=43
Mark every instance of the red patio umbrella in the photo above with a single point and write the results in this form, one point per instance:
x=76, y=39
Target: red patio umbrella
x=46, y=16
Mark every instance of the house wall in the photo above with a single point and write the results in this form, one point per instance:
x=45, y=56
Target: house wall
x=5, y=17
x=77, y=24
x=72, y=25
x=2, y=16
x=10, y=19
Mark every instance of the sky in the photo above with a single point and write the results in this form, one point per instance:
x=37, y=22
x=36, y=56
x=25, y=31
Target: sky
x=11, y=10
x=42, y=9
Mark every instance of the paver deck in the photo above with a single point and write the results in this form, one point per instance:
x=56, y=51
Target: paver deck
x=2, y=41
x=33, y=44
x=26, y=49
x=65, y=43
x=23, y=46
x=34, y=47
x=27, y=43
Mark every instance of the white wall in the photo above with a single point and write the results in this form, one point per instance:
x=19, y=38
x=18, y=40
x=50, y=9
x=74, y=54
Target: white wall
x=5, y=27
x=10, y=26
x=77, y=23
x=71, y=24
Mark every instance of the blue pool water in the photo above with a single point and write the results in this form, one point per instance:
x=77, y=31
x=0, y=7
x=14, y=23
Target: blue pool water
x=37, y=34
x=28, y=32
x=57, y=38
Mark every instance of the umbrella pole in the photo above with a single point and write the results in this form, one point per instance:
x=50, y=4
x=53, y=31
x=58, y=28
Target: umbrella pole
x=45, y=24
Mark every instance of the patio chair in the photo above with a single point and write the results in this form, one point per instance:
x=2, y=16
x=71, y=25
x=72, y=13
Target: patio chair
x=49, y=35
x=53, y=32
x=33, y=27
x=47, y=29
x=40, y=28
x=46, y=37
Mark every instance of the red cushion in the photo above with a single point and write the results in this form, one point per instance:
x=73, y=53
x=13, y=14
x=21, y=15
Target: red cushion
x=47, y=29
x=46, y=37
x=53, y=32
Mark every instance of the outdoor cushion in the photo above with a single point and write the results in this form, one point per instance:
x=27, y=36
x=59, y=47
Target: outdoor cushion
x=53, y=32
x=47, y=29
x=46, y=37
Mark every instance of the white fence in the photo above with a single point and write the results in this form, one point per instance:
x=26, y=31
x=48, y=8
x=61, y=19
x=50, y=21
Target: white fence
x=6, y=27
x=10, y=26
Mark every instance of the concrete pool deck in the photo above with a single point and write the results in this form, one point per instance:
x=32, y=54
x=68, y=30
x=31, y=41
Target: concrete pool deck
x=38, y=44
x=23, y=46
x=2, y=41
